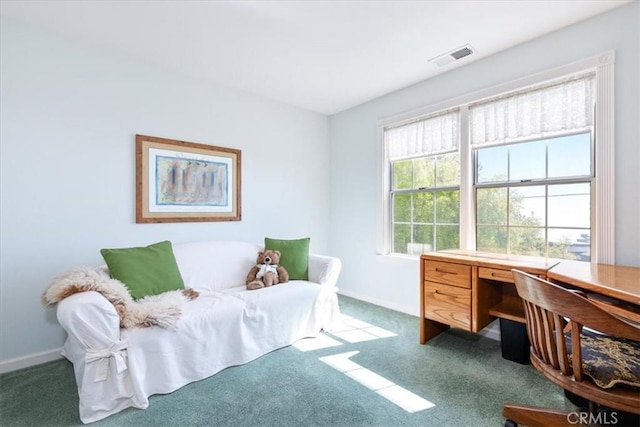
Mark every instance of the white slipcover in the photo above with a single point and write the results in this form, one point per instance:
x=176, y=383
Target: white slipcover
x=225, y=326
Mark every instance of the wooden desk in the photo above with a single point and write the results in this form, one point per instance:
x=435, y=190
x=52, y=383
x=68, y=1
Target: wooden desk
x=615, y=287
x=615, y=281
x=470, y=289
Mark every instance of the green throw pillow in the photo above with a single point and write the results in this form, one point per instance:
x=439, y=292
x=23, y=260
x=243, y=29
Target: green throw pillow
x=294, y=256
x=149, y=270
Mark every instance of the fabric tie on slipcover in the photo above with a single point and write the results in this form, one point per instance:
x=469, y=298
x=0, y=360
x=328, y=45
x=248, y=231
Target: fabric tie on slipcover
x=115, y=350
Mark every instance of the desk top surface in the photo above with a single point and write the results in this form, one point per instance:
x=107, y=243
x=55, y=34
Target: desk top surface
x=616, y=281
x=488, y=259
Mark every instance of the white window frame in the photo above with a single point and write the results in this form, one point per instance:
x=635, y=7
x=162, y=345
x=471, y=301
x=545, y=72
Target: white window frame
x=603, y=202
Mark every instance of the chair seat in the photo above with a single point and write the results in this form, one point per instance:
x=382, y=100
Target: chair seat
x=609, y=361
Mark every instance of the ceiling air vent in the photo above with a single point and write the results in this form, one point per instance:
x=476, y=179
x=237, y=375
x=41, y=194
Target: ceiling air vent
x=452, y=56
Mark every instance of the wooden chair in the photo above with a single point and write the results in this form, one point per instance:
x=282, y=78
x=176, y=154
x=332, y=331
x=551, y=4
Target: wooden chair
x=561, y=324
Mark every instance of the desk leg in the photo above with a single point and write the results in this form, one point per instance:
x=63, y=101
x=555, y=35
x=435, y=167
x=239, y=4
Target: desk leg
x=430, y=328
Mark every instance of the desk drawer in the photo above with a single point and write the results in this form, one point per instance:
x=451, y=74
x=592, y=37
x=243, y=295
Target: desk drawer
x=448, y=273
x=495, y=274
x=450, y=305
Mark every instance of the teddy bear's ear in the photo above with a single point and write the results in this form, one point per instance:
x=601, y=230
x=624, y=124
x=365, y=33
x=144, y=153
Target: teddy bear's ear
x=277, y=252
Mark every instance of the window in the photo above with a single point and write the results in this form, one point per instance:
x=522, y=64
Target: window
x=529, y=203
x=425, y=187
x=532, y=192
x=510, y=171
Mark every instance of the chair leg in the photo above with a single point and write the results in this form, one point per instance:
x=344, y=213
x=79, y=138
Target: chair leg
x=533, y=416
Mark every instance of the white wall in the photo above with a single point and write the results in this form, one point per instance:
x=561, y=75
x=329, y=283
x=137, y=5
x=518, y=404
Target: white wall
x=69, y=115
x=393, y=281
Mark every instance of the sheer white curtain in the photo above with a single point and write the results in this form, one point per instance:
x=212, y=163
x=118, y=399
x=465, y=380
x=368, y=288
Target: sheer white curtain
x=432, y=135
x=556, y=109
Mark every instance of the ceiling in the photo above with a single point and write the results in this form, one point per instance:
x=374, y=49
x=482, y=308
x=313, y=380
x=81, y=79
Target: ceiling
x=325, y=56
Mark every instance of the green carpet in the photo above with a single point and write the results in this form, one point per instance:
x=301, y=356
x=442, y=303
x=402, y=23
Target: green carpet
x=462, y=374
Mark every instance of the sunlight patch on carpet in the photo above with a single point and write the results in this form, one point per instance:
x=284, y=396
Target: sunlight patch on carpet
x=321, y=341
x=405, y=399
x=354, y=336
x=402, y=397
x=369, y=379
x=353, y=330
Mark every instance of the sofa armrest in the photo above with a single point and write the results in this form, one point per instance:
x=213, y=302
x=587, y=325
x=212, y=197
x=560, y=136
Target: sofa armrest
x=99, y=355
x=324, y=270
x=90, y=318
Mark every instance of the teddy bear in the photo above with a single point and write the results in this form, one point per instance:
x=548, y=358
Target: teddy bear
x=267, y=272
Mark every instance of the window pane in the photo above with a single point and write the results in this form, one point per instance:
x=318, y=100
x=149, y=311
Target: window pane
x=447, y=207
x=423, y=234
x=402, y=175
x=491, y=239
x=570, y=244
x=423, y=207
x=527, y=160
x=527, y=241
x=574, y=147
x=448, y=170
x=401, y=238
x=402, y=208
x=492, y=164
x=569, y=205
x=527, y=205
x=425, y=172
x=491, y=206
x=447, y=237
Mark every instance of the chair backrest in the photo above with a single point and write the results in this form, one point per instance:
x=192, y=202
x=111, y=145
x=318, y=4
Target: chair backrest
x=552, y=310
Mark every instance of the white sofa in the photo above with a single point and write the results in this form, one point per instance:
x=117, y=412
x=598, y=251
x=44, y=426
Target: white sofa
x=225, y=326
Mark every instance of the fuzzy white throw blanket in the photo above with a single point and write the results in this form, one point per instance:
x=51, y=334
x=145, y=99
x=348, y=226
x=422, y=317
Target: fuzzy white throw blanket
x=163, y=310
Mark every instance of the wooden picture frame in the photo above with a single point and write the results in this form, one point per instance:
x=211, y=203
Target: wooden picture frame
x=179, y=181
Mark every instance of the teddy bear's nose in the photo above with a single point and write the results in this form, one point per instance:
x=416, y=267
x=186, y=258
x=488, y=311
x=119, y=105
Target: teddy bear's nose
x=267, y=260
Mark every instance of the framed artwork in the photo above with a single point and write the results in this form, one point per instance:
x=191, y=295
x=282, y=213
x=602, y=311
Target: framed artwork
x=179, y=181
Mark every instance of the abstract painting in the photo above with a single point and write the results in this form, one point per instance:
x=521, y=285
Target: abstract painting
x=179, y=181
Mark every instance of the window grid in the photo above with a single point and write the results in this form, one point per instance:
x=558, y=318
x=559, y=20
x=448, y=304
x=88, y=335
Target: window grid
x=436, y=189
x=546, y=248
x=509, y=184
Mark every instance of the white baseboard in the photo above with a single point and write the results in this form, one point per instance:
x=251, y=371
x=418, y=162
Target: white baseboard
x=492, y=331
x=29, y=360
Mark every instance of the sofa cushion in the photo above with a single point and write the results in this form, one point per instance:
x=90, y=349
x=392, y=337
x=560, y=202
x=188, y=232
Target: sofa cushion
x=294, y=256
x=149, y=270
x=215, y=265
